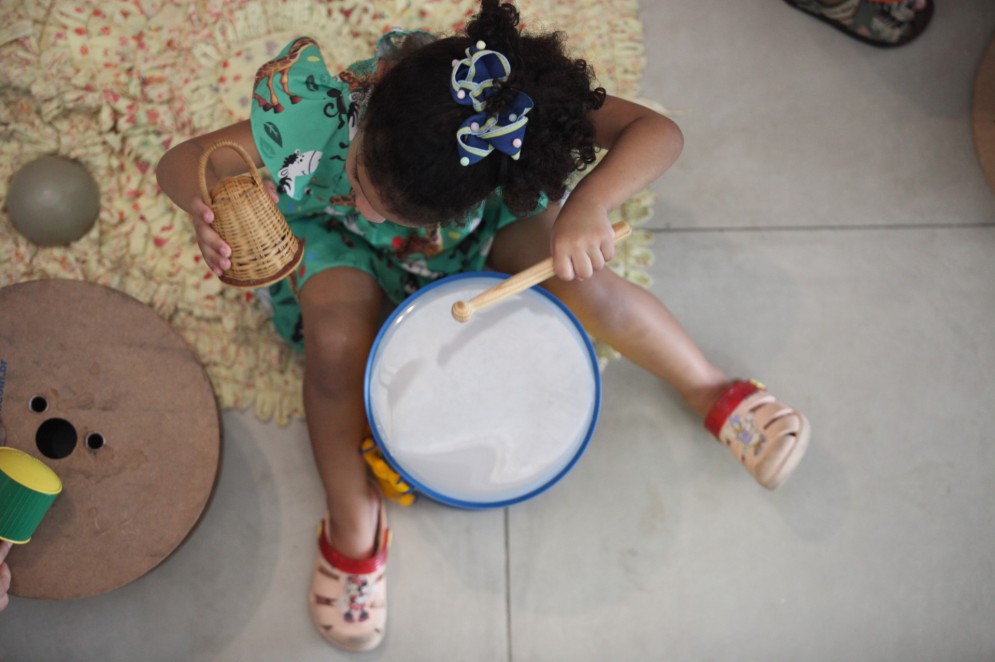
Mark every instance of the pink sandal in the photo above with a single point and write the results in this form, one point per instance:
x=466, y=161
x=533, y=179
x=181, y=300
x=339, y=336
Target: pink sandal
x=767, y=436
x=348, y=597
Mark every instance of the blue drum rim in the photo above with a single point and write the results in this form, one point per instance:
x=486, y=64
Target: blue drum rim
x=417, y=485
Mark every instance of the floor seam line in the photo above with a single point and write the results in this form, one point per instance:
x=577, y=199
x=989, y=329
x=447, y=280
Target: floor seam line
x=507, y=584
x=817, y=228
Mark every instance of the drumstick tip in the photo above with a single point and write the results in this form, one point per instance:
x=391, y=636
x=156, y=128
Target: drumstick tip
x=462, y=311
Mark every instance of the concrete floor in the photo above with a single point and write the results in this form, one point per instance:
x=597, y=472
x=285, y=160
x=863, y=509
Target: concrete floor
x=828, y=230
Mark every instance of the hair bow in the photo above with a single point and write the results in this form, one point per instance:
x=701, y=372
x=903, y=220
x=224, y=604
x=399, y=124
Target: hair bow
x=472, y=82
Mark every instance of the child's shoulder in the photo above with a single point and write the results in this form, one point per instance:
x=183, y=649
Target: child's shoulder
x=398, y=41
x=302, y=118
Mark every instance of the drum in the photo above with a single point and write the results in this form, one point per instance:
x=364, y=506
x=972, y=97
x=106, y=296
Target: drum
x=487, y=413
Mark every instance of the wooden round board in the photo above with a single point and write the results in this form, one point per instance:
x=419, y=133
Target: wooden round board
x=983, y=113
x=99, y=387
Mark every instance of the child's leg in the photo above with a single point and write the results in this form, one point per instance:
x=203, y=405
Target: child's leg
x=768, y=437
x=624, y=315
x=341, y=309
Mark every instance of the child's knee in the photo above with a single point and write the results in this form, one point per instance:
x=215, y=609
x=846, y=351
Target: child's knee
x=599, y=294
x=336, y=355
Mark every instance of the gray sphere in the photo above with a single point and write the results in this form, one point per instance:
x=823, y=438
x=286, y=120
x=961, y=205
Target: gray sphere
x=53, y=201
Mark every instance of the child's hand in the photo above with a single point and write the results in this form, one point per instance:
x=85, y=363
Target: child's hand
x=4, y=575
x=583, y=240
x=216, y=252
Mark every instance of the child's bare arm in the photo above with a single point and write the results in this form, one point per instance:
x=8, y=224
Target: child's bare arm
x=641, y=145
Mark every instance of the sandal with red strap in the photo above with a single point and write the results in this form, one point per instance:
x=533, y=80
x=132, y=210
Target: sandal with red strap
x=348, y=597
x=768, y=437
x=881, y=23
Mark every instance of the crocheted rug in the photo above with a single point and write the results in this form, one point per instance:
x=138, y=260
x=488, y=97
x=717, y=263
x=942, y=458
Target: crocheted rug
x=114, y=84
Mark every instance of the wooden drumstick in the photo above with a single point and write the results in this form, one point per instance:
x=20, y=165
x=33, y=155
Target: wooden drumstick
x=537, y=273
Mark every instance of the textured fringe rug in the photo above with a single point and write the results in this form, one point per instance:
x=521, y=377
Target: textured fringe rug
x=114, y=84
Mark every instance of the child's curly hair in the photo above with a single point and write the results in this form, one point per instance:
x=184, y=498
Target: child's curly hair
x=409, y=144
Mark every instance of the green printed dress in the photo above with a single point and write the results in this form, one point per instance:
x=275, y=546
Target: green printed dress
x=303, y=120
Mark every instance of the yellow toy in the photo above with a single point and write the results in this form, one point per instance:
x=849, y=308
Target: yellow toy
x=27, y=489
x=390, y=482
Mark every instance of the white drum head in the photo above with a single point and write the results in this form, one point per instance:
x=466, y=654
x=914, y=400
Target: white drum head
x=485, y=413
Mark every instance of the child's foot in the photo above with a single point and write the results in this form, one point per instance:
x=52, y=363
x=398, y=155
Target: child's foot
x=883, y=23
x=766, y=435
x=348, y=597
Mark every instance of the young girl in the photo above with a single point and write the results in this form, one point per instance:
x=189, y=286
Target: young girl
x=434, y=157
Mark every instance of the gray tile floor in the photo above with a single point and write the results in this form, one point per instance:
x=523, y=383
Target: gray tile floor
x=828, y=230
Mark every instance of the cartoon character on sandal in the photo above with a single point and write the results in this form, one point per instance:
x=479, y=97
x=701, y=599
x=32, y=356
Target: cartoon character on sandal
x=881, y=23
x=768, y=437
x=348, y=597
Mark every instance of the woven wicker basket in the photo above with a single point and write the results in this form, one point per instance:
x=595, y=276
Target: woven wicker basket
x=263, y=249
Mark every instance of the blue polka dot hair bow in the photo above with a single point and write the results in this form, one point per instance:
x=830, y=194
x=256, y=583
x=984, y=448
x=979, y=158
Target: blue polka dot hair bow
x=473, y=81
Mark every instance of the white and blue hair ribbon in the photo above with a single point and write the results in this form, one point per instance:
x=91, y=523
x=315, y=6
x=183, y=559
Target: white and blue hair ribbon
x=473, y=81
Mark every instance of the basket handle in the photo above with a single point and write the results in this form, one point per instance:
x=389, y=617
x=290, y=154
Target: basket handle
x=202, y=167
